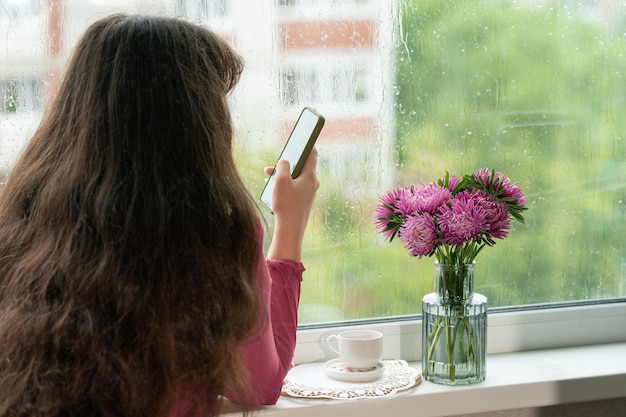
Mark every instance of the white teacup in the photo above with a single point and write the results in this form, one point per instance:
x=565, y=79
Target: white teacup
x=358, y=349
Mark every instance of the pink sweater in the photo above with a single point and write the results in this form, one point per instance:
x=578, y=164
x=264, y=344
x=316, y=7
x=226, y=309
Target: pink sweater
x=269, y=353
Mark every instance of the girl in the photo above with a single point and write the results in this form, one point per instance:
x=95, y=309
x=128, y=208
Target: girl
x=132, y=278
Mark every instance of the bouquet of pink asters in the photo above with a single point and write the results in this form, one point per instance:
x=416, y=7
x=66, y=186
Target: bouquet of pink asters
x=453, y=218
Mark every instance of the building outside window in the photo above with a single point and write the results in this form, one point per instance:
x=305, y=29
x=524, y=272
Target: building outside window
x=202, y=9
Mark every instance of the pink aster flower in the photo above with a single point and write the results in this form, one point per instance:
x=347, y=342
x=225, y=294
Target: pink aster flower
x=508, y=192
x=483, y=174
x=387, y=204
x=407, y=203
x=453, y=181
x=497, y=221
x=513, y=191
x=461, y=221
x=433, y=221
x=385, y=211
x=425, y=199
x=499, y=180
x=419, y=235
x=431, y=197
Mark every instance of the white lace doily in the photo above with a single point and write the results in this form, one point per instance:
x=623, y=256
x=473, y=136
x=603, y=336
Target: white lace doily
x=310, y=381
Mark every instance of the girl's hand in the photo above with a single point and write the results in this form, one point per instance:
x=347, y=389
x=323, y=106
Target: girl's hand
x=292, y=202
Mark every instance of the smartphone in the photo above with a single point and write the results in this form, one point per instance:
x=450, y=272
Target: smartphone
x=297, y=149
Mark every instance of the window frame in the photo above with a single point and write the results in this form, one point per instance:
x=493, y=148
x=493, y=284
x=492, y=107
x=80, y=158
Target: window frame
x=512, y=329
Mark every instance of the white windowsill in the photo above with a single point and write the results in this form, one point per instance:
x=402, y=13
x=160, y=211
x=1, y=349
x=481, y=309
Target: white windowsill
x=514, y=380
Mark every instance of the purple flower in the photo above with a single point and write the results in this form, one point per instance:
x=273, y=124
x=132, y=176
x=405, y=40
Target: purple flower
x=513, y=191
x=431, y=197
x=387, y=204
x=407, y=203
x=483, y=175
x=419, y=235
x=461, y=221
x=497, y=221
x=426, y=199
x=385, y=211
x=509, y=190
x=453, y=181
x=433, y=221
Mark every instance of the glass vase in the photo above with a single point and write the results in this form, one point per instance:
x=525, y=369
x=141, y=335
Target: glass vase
x=454, y=328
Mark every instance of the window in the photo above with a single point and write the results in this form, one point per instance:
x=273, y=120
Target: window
x=410, y=89
x=19, y=93
x=202, y=9
x=20, y=10
x=343, y=84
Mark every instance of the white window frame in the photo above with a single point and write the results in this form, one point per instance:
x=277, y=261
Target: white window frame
x=509, y=330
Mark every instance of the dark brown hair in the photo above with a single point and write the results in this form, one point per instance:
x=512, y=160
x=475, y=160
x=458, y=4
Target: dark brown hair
x=128, y=241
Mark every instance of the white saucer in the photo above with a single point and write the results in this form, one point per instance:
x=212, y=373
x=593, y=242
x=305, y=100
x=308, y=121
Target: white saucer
x=336, y=369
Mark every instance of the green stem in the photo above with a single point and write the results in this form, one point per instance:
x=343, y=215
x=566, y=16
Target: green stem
x=434, y=338
x=450, y=349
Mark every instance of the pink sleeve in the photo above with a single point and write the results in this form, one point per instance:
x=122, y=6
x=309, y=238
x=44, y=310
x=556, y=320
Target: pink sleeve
x=270, y=352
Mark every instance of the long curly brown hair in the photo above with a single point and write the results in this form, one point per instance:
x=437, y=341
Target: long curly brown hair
x=128, y=241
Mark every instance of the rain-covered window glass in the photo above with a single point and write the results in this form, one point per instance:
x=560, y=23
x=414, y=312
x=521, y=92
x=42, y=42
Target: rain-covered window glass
x=410, y=89
x=201, y=8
